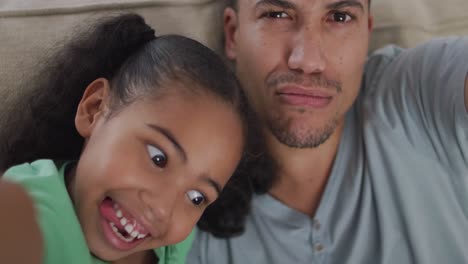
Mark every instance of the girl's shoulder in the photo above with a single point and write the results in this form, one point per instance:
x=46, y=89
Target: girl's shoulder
x=32, y=171
x=63, y=239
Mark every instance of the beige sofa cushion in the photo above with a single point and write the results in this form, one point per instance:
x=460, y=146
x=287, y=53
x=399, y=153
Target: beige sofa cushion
x=29, y=27
x=410, y=22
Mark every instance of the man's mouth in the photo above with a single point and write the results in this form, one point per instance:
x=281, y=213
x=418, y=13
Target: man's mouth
x=301, y=97
x=121, y=228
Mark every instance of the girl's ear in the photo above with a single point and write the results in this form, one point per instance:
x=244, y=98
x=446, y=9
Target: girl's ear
x=92, y=107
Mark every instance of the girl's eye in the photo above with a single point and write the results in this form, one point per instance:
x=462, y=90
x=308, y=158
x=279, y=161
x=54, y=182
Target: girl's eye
x=340, y=17
x=196, y=197
x=157, y=156
x=276, y=14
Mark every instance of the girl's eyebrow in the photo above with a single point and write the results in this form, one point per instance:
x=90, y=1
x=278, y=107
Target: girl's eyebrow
x=168, y=134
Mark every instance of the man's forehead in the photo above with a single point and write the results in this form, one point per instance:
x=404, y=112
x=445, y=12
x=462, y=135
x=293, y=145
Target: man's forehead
x=254, y=3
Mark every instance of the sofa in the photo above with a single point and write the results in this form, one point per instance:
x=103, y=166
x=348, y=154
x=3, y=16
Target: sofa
x=29, y=28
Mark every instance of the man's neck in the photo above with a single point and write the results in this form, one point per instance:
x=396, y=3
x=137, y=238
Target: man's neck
x=303, y=173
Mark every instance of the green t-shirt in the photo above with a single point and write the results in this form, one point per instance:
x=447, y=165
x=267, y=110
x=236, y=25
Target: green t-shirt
x=61, y=230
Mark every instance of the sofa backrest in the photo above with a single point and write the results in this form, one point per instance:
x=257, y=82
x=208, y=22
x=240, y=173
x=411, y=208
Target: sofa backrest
x=411, y=22
x=28, y=28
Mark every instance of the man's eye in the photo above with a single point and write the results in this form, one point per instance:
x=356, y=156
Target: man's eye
x=340, y=17
x=196, y=197
x=157, y=156
x=276, y=14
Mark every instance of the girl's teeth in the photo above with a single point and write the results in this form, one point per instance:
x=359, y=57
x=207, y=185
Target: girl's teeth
x=116, y=231
x=133, y=234
x=129, y=228
x=113, y=227
x=119, y=213
x=117, y=210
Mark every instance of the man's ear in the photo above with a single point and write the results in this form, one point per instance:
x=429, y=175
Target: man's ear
x=230, y=33
x=93, y=105
x=370, y=23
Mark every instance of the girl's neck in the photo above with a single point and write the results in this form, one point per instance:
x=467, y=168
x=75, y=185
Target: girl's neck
x=69, y=177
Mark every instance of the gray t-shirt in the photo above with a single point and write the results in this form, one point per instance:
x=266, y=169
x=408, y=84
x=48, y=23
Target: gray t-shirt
x=398, y=191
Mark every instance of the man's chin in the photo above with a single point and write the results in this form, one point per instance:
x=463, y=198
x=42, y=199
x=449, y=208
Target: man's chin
x=302, y=137
x=302, y=142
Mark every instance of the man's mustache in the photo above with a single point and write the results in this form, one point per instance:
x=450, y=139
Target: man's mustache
x=275, y=80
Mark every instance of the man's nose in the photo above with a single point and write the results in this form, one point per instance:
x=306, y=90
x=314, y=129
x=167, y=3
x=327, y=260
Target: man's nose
x=307, y=52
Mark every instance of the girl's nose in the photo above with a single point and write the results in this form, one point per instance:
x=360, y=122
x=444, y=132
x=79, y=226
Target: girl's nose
x=159, y=208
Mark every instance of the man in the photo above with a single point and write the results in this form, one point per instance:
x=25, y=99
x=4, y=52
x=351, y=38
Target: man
x=371, y=156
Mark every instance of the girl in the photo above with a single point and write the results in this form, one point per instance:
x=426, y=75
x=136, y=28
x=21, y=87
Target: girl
x=137, y=135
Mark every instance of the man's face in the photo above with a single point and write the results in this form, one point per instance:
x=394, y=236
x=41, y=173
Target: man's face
x=300, y=62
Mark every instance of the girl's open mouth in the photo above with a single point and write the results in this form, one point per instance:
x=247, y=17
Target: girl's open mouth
x=121, y=229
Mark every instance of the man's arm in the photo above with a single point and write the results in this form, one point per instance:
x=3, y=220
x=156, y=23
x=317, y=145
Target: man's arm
x=21, y=240
x=466, y=94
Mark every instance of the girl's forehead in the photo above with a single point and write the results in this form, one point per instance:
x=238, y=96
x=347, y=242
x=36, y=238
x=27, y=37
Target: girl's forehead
x=178, y=103
x=179, y=87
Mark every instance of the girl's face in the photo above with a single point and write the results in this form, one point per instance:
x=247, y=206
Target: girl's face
x=148, y=172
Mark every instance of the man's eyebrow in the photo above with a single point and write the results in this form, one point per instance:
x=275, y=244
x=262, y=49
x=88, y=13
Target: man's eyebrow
x=213, y=184
x=278, y=3
x=168, y=134
x=346, y=3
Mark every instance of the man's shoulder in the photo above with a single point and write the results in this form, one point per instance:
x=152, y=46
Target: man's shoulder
x=377, y=64
x=378, y=61
x=392, y=70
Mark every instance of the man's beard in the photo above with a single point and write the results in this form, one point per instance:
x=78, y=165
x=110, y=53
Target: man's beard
x=301, y=137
